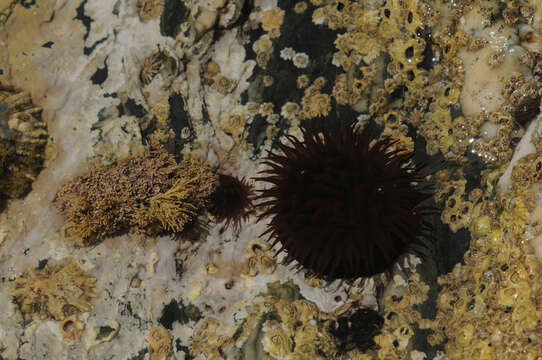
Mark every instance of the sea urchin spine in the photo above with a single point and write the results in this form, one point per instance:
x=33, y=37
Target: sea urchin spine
x=341, y=205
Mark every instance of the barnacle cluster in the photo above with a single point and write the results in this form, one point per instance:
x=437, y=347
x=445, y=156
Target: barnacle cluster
x=272, y=20
x=162, y=61
x=459, y=206
x=263, y=48
x=56, y=292
x=289, y=326
x=202, y=19
x=498, y=287
x=315, y=103
x=279, y=324
x=233, y=124
x=207, y=343
x=401, y=317
x=423, y=79
x=23, y=137
x=260, y=259
x=148, y=193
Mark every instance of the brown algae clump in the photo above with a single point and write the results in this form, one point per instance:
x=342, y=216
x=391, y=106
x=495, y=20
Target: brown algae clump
x=149, y=193
x=23, y=137
x=55, y=292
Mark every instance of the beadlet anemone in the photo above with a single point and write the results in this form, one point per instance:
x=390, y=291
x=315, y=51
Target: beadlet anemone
x=342, y=205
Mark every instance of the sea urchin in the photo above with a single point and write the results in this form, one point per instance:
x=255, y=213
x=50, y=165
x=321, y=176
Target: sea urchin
x=342, y=205
x=231, y=200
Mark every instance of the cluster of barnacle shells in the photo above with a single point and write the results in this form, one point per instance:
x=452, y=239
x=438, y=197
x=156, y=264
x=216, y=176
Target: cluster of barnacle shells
x=497, y=289
x=498, y=129
x=401, y=315
x=205, y=16
x=315, y=103
x=527, y=171
x=207, y=343
x=55, y=292
x=283, y=327
x=260, y=259
x=23, y=137
x=459, y=207
x=163, y=61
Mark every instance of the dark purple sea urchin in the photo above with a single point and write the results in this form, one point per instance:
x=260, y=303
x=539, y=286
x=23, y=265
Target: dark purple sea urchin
x=340, y=206
x=231, y=200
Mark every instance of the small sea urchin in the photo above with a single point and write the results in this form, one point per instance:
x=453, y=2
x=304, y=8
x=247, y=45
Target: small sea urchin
x=231, y=200
x=341, y=205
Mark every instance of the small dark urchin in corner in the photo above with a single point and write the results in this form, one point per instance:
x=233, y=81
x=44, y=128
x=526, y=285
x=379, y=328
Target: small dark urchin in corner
x=231, y=200
x=340, y=206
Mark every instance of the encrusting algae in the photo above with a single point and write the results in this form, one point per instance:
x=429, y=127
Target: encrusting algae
x=150, y=193
x=55, y=292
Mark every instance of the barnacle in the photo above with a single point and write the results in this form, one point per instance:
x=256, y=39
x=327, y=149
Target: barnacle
x=300, y=7
x=302, y=81
x=71, y=328
x=277, y=343
x=159, y=340
x=23, y=137
x=289, y=110
x=272, y=20
x=206, y=342
x=263, y=48
x=224, y=84
x=150, y=9
x=314, y=103
x=300, y=60
x=459, y=206
x=159, y=61
x=55, y=292
x=260, y=259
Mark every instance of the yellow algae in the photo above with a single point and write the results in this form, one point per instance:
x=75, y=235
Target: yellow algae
x=55, y=292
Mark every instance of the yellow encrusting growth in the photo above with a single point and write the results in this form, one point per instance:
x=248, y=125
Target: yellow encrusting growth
x=55, y=292
x=498, y=288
